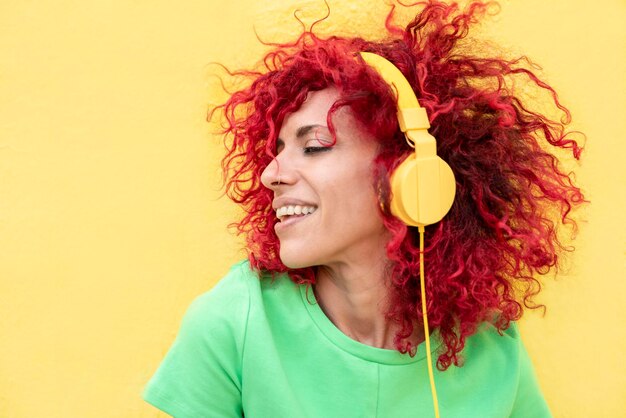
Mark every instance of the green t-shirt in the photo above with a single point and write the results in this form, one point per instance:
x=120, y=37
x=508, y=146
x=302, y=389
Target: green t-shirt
x=259, y=348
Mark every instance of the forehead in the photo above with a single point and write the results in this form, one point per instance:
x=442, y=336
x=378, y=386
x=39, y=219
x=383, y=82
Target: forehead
x=314, y=110
x=312, y=117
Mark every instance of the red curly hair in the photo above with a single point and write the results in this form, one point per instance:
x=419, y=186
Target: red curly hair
x=511, y=194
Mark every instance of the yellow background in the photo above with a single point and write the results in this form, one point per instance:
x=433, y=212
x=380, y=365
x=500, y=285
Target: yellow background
x=110, y=217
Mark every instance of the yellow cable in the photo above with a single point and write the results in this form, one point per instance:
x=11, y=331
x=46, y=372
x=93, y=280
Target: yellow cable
x=426, y=333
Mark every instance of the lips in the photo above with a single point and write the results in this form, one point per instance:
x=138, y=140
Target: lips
x=290, y=210
x=286, y=221
x=284, y=200
x=287, y=211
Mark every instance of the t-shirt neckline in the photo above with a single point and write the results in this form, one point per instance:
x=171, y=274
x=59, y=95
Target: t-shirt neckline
x=356, y=348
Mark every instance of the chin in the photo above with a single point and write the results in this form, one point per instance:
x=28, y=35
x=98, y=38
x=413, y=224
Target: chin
x=295, y=261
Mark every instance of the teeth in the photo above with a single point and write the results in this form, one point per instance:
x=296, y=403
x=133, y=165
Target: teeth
x=294, y=210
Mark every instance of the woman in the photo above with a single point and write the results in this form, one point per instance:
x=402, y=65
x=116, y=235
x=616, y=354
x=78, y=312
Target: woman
x=324, y=319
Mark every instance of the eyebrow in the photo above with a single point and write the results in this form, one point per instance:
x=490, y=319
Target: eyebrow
x=301, y=132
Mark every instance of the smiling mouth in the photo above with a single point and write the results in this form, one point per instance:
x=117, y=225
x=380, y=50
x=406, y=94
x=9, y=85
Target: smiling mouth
x=294, y=211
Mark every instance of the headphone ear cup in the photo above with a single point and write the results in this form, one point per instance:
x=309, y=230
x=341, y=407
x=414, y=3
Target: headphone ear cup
x=422, y=190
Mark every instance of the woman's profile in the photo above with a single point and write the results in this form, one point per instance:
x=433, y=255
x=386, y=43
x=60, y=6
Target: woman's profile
x=327, y=316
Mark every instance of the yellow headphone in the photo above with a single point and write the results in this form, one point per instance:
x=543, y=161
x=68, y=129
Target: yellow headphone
x=423, y=185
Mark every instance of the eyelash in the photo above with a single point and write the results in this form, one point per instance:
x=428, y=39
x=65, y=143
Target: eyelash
x=315, y=150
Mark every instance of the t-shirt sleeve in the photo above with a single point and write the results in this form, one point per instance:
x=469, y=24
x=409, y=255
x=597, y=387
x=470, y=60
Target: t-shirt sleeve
x=529, y=401
x=201, y=374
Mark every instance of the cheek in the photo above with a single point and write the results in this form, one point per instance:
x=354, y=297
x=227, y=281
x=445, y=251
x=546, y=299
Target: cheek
x=361, y=185
x=353, y=198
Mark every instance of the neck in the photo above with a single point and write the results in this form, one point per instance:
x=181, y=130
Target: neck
x=355, y=298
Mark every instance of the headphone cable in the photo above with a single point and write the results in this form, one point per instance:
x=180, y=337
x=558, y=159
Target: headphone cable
x=426, y=332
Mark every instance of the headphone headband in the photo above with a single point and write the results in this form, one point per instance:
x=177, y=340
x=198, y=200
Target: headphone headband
x=423, y=185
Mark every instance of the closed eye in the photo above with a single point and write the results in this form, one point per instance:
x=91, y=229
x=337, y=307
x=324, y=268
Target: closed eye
x=314, y=150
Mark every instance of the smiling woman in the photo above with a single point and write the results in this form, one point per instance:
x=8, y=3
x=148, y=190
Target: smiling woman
x=324, y=319
x=334, y=178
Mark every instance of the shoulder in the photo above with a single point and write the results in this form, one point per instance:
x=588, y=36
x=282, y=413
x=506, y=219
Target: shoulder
x=496, y=353
x=232, y=290
x=242, y=298
x=201, y=374
x=227, y=303
x=502, y=357
x=488, y=337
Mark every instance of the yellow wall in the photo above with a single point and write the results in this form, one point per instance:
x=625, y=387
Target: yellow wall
x=110, y=221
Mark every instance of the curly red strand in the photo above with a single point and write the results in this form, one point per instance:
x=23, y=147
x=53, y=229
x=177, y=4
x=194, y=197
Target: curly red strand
x=511, y=195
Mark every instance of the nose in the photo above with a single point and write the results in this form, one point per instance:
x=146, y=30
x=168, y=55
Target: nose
x=277, y=173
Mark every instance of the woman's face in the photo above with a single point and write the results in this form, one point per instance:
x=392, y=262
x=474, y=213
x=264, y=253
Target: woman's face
x=324, y=196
